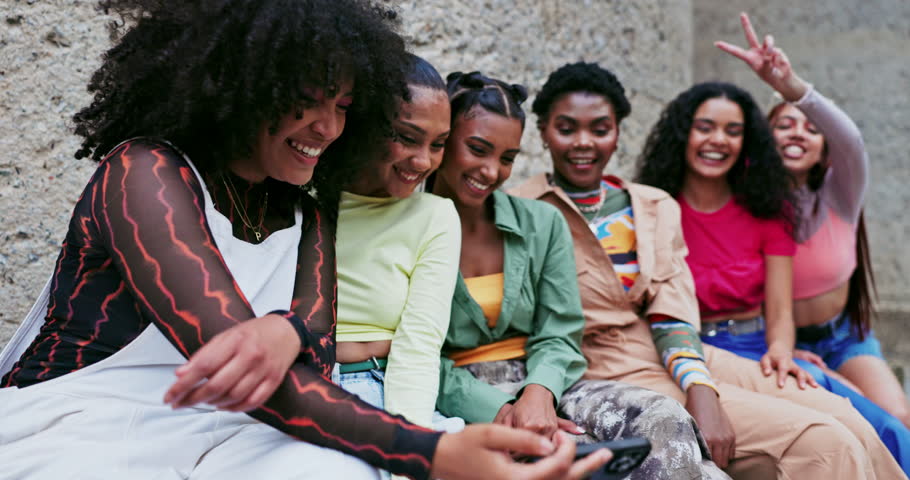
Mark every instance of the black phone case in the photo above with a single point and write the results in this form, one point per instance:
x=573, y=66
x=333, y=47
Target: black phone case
x=628, y=454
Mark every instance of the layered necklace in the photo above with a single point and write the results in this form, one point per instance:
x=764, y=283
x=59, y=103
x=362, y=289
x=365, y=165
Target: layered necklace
x=241, y=209
x=589, y=201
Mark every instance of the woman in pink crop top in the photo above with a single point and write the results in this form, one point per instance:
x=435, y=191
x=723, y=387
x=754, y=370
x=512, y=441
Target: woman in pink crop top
x=832, y=274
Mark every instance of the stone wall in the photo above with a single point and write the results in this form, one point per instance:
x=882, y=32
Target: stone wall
x=48, y=49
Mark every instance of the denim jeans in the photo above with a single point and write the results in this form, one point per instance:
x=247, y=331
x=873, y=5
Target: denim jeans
x=370, y=387
x=843, y=344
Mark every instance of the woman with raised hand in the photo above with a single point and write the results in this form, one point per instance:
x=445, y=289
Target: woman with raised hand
x=194, y=240
x=713, y=151
x=512, y=353
x=642, y=313
x=832, y=274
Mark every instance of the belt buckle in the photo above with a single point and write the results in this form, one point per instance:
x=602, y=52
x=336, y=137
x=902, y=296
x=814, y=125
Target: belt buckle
x=731, y=327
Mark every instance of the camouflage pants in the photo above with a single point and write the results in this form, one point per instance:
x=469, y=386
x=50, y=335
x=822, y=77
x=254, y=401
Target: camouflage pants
x=609, y=410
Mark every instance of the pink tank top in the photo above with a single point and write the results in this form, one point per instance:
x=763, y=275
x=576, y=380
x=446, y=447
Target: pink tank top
x=826, y=260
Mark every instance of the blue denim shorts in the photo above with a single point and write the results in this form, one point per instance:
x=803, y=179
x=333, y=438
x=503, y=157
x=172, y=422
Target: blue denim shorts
x=843, y=344
x=370, y=387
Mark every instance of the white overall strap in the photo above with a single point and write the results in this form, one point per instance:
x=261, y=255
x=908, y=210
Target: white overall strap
x=27, y=331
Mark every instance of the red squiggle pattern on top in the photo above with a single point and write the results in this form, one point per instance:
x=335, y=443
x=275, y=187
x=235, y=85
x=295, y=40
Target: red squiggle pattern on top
x=139, y=251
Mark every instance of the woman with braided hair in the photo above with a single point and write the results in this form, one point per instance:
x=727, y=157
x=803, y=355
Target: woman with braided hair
x=198, y=238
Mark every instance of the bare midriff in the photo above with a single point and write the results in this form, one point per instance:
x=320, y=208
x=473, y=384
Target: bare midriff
x=353, y=352
x=820, y=308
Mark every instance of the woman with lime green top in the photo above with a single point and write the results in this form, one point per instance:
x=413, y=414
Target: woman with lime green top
x=397, y=262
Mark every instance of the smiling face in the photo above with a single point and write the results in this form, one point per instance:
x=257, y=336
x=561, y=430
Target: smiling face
x=799, y=142
x=715, y=139
x=420, y=130
x=478, y=156
x=292, y=152
x=582, y=132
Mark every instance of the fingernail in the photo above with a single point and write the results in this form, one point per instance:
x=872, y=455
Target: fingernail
x=547, y=446
x=580, y=431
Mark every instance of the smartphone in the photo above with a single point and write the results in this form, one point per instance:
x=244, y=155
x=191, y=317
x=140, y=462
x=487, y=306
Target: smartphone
x=628, y=454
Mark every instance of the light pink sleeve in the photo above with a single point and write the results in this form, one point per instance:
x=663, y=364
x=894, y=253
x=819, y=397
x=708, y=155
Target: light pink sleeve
x=848, y=176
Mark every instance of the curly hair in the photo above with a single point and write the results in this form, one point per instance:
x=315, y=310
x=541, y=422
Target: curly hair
x=208, y=75
x=758, y=179
x=581, y=77
x=469, y=90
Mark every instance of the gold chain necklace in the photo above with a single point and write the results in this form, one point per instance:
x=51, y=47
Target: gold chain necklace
x=241, y=210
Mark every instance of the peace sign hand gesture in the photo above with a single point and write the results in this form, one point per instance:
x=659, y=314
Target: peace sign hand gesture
x=769, y=62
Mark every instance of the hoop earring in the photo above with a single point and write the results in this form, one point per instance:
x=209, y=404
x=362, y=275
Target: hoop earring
x=546, y=146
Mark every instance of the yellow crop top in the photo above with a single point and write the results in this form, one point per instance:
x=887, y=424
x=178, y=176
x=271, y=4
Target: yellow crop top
x=487, y=292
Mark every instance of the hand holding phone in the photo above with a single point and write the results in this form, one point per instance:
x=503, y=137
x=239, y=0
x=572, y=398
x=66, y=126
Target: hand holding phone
x=628, y=454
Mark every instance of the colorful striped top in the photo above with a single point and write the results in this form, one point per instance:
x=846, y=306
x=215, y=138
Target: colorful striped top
x=608, y=211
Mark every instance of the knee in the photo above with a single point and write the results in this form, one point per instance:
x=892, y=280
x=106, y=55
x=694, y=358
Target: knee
x=664, y=414
x=828, y=441
x=666, y=409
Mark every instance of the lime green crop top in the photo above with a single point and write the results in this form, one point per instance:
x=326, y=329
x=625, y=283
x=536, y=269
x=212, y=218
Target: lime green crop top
x=397, y=267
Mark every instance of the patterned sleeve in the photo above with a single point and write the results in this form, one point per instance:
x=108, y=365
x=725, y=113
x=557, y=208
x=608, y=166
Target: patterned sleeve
x=149, y=209
x=680, y=350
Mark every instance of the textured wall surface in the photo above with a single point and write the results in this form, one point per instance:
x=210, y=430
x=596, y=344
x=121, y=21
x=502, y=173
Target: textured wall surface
x=49, y=48
x=855, y=53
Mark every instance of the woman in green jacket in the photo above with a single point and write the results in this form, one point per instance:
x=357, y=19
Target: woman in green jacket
x=512, y=353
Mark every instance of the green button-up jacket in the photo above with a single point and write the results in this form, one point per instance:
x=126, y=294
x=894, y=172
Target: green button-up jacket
x=540, y=301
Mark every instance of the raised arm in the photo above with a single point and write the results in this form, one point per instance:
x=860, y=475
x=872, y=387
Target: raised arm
x=846, y=152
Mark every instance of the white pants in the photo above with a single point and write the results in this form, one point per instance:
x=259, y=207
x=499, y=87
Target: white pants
x=78, y=427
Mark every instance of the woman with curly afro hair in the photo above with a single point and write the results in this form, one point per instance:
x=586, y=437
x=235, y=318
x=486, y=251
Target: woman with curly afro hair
x=713, y=150
x=224, y=132
x=641, y=315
